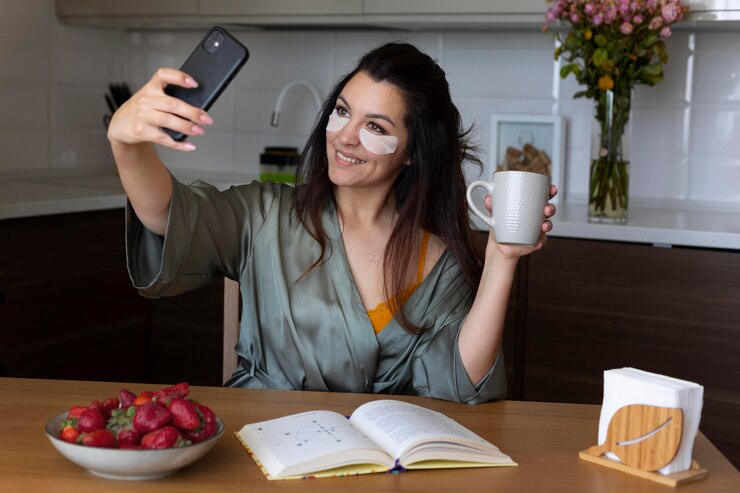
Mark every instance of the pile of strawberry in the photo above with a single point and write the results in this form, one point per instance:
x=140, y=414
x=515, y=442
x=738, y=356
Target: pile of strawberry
x=150, y=420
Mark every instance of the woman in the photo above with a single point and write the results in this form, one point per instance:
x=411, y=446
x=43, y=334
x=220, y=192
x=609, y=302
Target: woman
x=379, y=222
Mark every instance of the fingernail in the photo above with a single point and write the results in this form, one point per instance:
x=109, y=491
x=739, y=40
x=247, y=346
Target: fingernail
x=206, y=119
x=187, y=146
x=191, y=82
x=197, y=130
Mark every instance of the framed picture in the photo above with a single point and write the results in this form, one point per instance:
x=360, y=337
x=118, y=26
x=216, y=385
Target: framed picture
x=530, y=143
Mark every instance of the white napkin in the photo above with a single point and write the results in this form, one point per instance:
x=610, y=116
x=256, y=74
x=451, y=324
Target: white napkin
x=625, y=386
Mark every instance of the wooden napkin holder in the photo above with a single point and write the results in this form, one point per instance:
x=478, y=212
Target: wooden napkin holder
x=645, y=438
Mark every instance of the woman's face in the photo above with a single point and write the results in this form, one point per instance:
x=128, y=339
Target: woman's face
x=366, y=137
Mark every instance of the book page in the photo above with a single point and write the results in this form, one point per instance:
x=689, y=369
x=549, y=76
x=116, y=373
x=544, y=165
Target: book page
x=309, y=442
x=412, y=433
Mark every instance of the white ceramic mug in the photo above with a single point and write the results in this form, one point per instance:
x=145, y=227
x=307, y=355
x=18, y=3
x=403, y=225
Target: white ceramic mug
x=519, y=200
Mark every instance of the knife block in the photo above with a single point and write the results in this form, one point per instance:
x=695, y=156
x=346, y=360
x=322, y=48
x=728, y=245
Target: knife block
x=645, y=438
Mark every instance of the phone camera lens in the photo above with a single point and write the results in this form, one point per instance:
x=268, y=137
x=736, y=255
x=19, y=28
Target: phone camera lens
x=213, y=42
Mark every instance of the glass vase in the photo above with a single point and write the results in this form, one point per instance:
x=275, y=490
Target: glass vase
x=608, y=191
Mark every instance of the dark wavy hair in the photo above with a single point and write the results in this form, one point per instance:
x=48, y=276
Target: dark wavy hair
x=429, y=194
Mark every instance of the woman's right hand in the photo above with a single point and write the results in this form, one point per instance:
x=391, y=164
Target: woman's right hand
x=141, y=118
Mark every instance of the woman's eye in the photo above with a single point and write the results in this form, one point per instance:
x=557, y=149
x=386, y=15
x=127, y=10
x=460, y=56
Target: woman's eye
x=341, y=112
x=375, y=128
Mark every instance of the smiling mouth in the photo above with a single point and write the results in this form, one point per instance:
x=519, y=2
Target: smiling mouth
x=349, y=159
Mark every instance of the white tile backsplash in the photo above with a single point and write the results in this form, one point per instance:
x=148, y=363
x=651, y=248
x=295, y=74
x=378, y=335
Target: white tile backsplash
x=25, y=107
x=717, y=78
x=74, y=148
x=712, y=180
x=24, y=150
x=684, y=144
x=715, y=131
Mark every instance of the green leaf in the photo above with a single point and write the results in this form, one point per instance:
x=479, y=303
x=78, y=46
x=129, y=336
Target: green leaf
x=580, y=94
x=600, y=40
x=600, y=56
x=662, y=55
x=650, y=40
x=652, y=69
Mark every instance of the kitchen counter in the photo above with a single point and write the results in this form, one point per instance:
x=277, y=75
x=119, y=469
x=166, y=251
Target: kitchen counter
x=37, y=195
x=40, y=195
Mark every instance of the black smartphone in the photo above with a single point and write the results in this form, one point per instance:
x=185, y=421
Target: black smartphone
x=214, y=62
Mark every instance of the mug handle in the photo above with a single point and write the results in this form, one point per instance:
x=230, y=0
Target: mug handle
x=469, y=195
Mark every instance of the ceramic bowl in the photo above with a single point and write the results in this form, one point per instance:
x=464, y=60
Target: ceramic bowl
x=126, y=463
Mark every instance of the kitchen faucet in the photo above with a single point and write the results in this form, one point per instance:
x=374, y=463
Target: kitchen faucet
x=285, y=89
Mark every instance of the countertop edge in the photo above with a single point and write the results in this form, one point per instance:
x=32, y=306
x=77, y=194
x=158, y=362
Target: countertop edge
x=665, y=227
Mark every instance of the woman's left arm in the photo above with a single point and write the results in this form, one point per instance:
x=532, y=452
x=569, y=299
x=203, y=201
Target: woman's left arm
x=481, y=334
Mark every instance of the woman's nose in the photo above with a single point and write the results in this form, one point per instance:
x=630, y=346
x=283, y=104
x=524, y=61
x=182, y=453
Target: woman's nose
x=349, y=135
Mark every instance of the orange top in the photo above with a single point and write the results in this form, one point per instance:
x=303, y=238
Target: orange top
x=382, y=314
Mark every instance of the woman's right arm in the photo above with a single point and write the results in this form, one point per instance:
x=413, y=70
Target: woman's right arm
x=133, y=130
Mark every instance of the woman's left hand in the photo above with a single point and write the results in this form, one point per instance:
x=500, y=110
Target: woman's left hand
x=516, y=251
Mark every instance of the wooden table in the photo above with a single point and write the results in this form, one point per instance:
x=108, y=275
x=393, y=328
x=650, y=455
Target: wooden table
x=544, y=438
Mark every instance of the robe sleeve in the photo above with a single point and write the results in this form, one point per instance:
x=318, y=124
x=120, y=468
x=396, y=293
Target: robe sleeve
x=208, y=235
x=439, y=371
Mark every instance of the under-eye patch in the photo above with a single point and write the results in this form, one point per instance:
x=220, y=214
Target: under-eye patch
x=336, y=122
x=378, y=144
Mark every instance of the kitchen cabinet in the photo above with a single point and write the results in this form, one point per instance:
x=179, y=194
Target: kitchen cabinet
x=342, y=14
x=462, y=14
x=69, y=310
x=458, y=7
x=280, y=7
x=714, y=10
x=130, y=14
x=328, y=13
x=597, y=305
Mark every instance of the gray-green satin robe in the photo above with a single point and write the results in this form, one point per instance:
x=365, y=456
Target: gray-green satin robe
x=312, y=334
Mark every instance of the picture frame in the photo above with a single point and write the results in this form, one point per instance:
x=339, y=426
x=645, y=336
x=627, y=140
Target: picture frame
x=529, y=143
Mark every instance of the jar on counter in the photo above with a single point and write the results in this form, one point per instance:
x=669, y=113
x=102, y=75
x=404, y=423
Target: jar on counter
x=278, y=164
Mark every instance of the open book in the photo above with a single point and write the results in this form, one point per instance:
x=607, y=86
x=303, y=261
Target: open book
x=380, y=436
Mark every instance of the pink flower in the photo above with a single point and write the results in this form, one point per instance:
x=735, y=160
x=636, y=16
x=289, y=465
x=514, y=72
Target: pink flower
x=665, y=32
x=637, y=19
x=669, y=12
x=655, y=23
x=611, y=15
x=589, y=8
x=597, y=20
x=626, y=28
x=574, y=18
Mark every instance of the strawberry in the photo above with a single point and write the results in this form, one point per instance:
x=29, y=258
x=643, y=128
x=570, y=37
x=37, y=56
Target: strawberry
x=143, y=397
x=173, y=392
x=128, y=439
x=184, y=414
x=165, y=437
x=75, y=411
x=99, y=438
x=69, y=434
x=208, y=427
x=127, y=397
x=121, y=424
x=109, y=405
x=150, y=416
x=90, y=420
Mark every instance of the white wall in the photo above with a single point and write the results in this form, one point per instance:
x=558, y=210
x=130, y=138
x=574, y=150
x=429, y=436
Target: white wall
x=52, y=80
x=685, y=136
